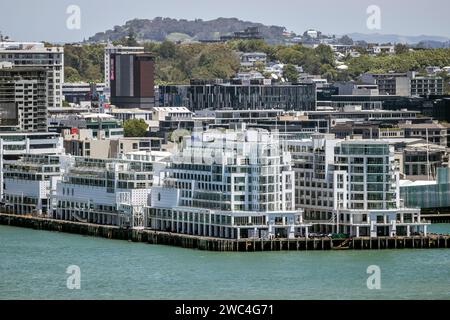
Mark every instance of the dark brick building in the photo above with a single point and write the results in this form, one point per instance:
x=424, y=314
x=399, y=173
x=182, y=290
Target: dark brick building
x=133, y=80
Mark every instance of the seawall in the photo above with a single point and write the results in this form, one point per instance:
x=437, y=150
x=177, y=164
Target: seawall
x=224, y=245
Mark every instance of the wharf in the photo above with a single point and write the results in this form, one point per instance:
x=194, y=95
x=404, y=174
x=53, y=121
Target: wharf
x=225, y=245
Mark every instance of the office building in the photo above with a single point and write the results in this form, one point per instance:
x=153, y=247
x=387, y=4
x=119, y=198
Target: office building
x=434, y=194
x=201, y=95
x=82, y=91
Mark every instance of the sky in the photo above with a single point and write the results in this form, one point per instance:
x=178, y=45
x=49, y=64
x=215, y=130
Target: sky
x=46, y=20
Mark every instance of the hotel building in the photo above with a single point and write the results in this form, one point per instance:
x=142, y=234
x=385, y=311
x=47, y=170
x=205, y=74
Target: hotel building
x=110, y=50
x=132, y=80
x=13, y=145
x=30, y=182
x=106, y=191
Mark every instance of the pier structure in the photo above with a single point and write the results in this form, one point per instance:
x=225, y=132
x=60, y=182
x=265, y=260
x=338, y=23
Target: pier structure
x=431, y=241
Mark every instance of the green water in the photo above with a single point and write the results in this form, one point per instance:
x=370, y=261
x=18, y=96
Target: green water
x=33, y=266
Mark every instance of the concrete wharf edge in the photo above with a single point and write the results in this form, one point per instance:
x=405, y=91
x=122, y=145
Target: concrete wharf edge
x=224, y=245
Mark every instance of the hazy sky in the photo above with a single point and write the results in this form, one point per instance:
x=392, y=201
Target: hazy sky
x=28, y=20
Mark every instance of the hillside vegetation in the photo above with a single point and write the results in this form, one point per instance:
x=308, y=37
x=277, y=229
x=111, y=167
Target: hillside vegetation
x=160, y=28
x=178, y=63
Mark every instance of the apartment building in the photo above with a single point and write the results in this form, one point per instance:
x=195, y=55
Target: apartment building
x=431, y=85
x=396, y=84
x=433, y=132
x=105, y=191
x=23, y=99
x=351, y=187
x=36, y=54
x=270, y=120
x=228, y=184
x=405, y=84
x=81, y=142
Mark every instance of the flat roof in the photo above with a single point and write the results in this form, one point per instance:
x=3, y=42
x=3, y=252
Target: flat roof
x=409, y=183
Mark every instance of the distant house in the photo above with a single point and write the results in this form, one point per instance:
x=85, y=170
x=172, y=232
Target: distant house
x=432, y=70
x=249, y=59
x=389, y=49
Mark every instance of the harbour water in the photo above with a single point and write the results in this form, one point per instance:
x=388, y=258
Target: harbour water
x=33, y=266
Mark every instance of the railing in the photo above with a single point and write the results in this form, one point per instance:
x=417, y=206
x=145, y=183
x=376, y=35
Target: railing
x=77, y=217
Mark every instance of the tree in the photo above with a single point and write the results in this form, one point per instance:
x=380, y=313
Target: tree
x=325, y=54
x=167, y=49
x=71, y=75
x=135, y=128
x=401, y=48
x=131, y=39
x=346, y=40
x=290, y=73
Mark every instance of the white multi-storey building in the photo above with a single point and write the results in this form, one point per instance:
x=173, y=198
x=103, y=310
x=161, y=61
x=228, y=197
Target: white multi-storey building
x=13, y=145
x=30, y=182
x=228, y=184
x=111, y=191
x=35, y=54
x=351, y=187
